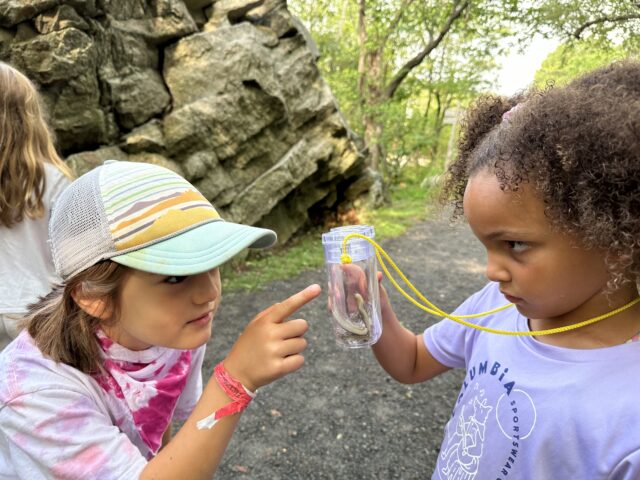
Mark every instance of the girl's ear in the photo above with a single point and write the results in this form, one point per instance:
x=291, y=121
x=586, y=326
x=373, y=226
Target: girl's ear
x=97, y=307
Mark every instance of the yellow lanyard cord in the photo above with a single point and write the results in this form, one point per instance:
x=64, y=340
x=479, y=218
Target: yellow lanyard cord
x=434, y=310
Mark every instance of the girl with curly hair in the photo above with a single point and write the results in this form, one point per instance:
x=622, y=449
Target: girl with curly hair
x=549, y=182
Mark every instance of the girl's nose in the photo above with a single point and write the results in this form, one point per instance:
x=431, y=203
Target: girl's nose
x=496, y=272
x=207, y=286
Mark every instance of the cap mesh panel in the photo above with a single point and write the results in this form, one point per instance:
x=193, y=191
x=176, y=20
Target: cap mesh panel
x=78, y=229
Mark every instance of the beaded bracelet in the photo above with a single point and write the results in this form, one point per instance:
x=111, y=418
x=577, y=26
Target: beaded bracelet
x=240, y=395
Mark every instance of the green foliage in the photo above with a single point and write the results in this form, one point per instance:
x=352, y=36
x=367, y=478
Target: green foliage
x=570, y=60
x=598, y=20
x=408, y=125
x=408, y=205
x=412, y=119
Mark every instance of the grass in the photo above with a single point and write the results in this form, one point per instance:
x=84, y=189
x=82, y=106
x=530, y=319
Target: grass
x=409, y=204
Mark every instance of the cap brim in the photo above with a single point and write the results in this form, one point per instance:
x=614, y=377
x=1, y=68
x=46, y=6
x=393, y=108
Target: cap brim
x=198, y=250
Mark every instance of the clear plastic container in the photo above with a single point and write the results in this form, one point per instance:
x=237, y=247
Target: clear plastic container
x=354, y=299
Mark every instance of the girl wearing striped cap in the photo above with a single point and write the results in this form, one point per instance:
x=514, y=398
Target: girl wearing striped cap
x=114, y=353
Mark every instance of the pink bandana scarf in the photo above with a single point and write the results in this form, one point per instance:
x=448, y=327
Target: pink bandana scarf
x=144, y=386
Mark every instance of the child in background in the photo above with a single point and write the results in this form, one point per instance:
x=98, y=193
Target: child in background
x=550, y=184
x=114, y=353
x=32, y=175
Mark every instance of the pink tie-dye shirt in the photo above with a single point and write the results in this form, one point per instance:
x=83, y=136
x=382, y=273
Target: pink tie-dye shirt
x=57, y=422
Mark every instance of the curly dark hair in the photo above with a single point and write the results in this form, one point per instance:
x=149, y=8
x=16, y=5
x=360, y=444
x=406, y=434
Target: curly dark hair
x=578, y=146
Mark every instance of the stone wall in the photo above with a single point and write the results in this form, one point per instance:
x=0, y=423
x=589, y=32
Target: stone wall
x=226, y=92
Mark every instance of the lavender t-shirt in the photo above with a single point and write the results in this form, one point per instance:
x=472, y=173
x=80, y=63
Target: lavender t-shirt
x=529, y=410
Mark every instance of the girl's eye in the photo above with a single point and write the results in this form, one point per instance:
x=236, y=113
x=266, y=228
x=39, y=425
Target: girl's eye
x=174, y=280
x=517, y=246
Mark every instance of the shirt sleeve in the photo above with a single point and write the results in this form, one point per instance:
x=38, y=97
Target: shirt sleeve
x=450, y=342
x=61, y=433
x=193, y=388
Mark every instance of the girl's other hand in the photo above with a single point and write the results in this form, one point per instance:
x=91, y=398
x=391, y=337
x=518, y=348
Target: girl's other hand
x=270, y=347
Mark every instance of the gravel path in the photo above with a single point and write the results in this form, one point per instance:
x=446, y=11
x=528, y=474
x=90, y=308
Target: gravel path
x=341, y=416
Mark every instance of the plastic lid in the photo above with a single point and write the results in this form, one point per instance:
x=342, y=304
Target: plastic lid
x=358, y=248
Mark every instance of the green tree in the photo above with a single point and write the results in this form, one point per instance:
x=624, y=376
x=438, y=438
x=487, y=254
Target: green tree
x=388, y=60
x=396, y=66
x=572, y=59
x=579, y=19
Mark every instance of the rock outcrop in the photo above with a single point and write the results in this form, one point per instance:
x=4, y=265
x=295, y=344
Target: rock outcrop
x=225, y=92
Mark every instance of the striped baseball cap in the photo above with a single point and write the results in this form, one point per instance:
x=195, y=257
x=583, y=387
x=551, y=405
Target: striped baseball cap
x=145, y=217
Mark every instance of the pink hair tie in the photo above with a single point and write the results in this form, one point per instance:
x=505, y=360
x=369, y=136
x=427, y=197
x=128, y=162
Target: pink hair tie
x=506, y=116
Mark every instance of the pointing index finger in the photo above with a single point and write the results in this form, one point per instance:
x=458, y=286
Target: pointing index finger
x=282, y=310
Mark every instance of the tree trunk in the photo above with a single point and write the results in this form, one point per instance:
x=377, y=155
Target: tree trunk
x=373, y=137
x=362, y=60
x=373, y=125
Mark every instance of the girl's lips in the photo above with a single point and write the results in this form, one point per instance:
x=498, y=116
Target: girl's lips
x=203, y=320
x=511, y=298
